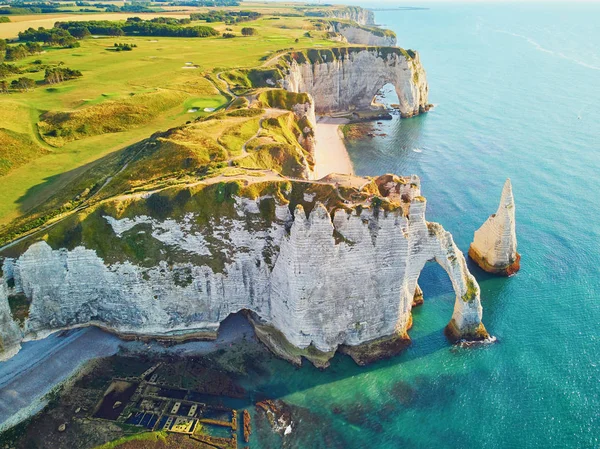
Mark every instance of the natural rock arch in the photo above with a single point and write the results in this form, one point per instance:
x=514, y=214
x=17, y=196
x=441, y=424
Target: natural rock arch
x=348, y=78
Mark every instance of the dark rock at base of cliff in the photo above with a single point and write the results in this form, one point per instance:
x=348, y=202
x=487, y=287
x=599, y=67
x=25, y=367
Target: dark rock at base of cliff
x=477, y=333
x=276, y=342
x=508, y=270
x=382, y=348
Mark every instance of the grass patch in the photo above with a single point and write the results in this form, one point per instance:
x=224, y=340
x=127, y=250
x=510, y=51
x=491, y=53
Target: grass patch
x=282, y=99
x=58, y=128
x=17, y=149
x=235, y=137
x=141, y=437
x=280, y=157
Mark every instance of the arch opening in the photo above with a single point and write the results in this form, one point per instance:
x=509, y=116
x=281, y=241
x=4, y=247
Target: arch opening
x=430, y=315
x=386, y=98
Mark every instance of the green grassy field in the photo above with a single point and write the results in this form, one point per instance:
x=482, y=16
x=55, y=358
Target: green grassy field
x=110, y=80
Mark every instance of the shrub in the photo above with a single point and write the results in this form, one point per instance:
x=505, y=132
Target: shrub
x=23, y=84
x=228, y=35
x=59, y=74
x=247, y=31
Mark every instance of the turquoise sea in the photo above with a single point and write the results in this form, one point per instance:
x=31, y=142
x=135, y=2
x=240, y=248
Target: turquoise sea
x=517, y=94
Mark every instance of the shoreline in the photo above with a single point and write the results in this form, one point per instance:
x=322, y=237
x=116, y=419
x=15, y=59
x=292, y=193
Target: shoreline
x=331, y=154
x=24, y=388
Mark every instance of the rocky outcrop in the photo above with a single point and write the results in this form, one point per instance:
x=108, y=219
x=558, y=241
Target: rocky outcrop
x=494, y=246
x=343, y=79
x=355, y=34
x=10, y=332
x=321, y=278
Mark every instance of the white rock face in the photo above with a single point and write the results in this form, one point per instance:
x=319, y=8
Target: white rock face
x=361, y=36
x=355, y=14
x=352, y=80
x=10, y=333
x=312, y=284
x=494, y=246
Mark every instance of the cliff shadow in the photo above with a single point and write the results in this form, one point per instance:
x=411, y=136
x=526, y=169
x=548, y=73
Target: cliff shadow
x=427, y=335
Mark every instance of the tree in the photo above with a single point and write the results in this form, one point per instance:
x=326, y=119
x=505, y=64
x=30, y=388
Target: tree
x=56, y=75
x=4, y=86
x=15, y=52
x=228, y=35
x=23, y=84
x=80, y=32
x=248, y=31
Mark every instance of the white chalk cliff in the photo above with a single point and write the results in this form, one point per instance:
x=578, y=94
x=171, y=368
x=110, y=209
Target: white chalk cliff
x=494, y=246
x=354, y=13
x=320, y=280
x=355, y=34
x=348, y=78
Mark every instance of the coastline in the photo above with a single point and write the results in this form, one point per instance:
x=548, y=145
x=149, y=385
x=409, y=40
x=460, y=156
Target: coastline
x=331, y=155
x=24, y=388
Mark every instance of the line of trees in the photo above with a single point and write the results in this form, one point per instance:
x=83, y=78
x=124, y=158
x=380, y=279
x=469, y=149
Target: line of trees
x=55, y=75
x=7, y=70
x=209, y=3
x=53, y=36
x=21, y=8
x=19, y=51
x=138, y=27
x=229, y=17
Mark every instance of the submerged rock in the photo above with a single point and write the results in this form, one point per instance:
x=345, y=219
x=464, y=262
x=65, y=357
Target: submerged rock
x=494, y=246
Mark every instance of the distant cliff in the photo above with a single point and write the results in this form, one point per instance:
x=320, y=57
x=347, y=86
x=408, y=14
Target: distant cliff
x=347, y=78
x=354, y=33
x=354, y=13
x=314, y=269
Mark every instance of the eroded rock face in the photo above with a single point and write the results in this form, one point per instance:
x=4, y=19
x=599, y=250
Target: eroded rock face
x=354, y=13
x=351, y=80
x=494, y=246
x=326, y=282
x=10, y=332
x=361, y=36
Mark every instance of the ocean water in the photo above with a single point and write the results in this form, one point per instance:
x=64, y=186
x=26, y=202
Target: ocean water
x=517, y=94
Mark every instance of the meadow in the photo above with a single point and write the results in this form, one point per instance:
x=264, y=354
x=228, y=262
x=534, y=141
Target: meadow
x=172, y=70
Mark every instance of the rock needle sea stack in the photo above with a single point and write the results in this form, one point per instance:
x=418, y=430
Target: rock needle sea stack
x=494, y=246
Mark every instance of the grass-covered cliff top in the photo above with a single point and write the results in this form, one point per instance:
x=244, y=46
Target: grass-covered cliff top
x=54, y=130
x=245, y=140
x=211, y=203
x=322, y=55
x=173, y=111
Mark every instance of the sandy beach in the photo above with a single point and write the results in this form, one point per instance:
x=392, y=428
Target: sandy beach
x=331, y=155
